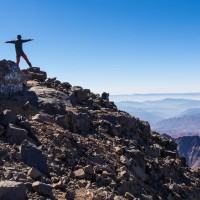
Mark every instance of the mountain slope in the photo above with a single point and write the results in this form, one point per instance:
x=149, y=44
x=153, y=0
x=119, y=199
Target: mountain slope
x=64, y=142
x=191, y=111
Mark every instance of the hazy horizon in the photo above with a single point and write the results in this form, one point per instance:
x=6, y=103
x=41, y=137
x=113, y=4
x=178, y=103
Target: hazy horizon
x=154, y=97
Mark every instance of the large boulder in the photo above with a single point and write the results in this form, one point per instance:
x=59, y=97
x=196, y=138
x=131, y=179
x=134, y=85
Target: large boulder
x=16, y=135
x=49, y=100
x=11, y=190
x=42, y=189
x=81, y=94
x=11, y=78
x=7, y=117
x=33, y=157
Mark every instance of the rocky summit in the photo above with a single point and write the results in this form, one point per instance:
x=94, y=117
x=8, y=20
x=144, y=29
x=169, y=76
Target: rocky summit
x=64, y=142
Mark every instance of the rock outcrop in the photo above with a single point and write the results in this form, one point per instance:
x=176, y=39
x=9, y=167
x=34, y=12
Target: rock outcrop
x=65, y=142
x=11, y=78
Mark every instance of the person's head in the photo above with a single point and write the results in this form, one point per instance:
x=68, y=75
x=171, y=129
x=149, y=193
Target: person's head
x=19, y=37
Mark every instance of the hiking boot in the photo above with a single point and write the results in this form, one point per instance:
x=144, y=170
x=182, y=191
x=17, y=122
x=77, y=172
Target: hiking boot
x=30, y=65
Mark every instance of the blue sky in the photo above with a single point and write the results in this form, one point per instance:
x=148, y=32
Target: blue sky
x=118, y=46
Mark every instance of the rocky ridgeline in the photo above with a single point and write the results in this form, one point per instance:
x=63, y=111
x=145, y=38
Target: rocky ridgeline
x=64, y=142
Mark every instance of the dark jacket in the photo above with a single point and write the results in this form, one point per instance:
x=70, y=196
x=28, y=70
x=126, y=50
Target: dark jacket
x=18, y=46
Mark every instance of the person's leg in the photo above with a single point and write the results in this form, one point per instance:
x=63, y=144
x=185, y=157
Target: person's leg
x=18, y=60
x=26, y=59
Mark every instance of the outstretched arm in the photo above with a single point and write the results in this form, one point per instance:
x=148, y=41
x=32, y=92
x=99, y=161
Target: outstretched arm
x=12, y=41
x=27, y=40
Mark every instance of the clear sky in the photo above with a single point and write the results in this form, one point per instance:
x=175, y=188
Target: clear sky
x=117, y=46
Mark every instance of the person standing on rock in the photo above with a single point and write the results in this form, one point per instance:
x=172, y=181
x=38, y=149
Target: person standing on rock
x=19, y=50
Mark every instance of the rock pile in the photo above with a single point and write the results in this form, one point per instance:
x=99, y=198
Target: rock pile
x=64, y=142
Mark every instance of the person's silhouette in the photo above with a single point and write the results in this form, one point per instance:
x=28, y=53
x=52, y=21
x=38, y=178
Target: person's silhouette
x=19, y=49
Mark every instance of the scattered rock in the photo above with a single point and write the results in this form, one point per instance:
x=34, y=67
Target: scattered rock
x=79, y=173
x=34, y=173
x=12, y=190
x=88, y=169
x=70, y=194
x=129, y=196
x=124, y=160
x=59, y=185
x=43, y=118
x=16, y=135
x=43, y=189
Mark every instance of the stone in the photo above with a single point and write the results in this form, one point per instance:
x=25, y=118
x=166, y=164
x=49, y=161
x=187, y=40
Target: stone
x=16, y=135
x=88, y=169
x=81, y=94
x=123, y=174
x=120, y=198
x=124, y=160
x=62, y=120
x=34, y=173
x=129, y=196
x=23, y=122
x=35, y=73
x=50, y=80
x=21, y=177
x=50, y=100
x=7, y=117
x=119, y=150
x=174, y=187
x=70, y=194
x=66, y=85
x=59, y=185
x=16, y=155
x=82, y=183
x=140, y=172
x=80, y=174
x=43, y=118
x=33, y=157
x=105, y=96
x=97, y=169
x=11, y=190
x=169, y=153
x=42, y=188
x=67, y=134
x=146, y=197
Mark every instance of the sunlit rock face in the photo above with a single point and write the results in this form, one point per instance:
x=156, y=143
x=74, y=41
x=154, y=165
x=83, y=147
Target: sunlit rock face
x=11, y=78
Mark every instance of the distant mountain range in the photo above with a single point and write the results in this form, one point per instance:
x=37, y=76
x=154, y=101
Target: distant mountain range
x=155, y=111
x=155, y=96
x=192, y=111
x=179, y=126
